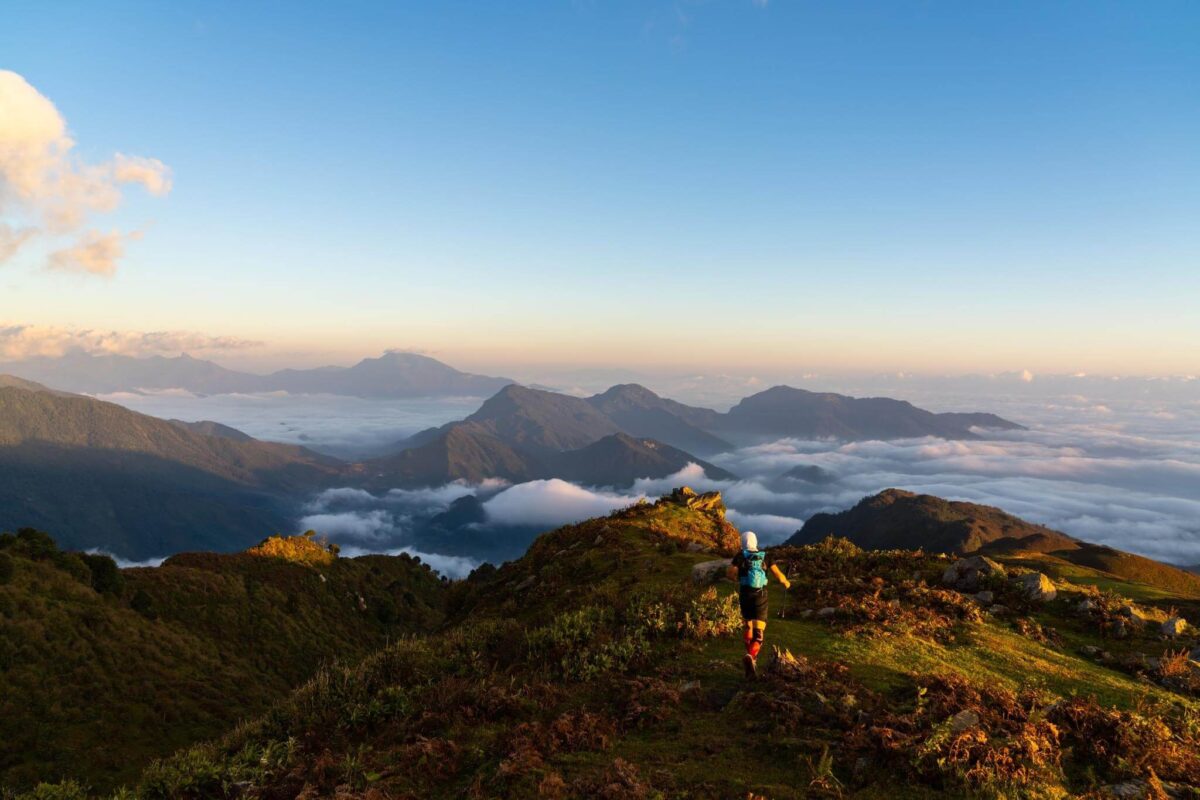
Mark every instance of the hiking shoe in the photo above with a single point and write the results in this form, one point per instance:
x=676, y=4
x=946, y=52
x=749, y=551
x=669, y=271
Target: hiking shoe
x=751, y=667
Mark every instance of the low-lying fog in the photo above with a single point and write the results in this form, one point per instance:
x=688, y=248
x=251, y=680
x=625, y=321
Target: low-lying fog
x=1123, y=472
x=345, y=427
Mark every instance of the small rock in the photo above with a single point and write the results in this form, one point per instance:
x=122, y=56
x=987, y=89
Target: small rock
x=599, y=540
x=963, y=720
x=1120, y=629
x=1036, y=586
x=525, y=584
x=998, y=610
x=1089, y=650
x=694, y=547
x=986, y=597
x=1195, y=654
x=806, y=613
x=966, y=573
x=1175, y=626
x=1133, y=615
x=1087, y=605
x=689, y=686
x=709, y=571
x=826, y=613
x=1153, y=663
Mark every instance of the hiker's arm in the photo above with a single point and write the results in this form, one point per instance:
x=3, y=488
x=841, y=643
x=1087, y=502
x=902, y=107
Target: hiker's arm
x=780, y=576
x=731, y=571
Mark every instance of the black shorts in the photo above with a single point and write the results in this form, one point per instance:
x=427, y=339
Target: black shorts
x=753, y=603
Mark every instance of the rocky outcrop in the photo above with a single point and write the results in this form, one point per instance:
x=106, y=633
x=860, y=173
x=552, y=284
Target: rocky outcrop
x=1036, y=586
x=709, y=501
x=1175, y=626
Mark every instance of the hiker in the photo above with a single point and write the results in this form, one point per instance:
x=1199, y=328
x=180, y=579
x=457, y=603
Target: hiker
x=751, y=565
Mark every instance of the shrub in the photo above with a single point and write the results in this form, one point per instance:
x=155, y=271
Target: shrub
x=74, y=565
x=143, y=603
x=193, y=774
x=306, y=549
x=106, y=575
x=6, y=568
x=67, y=790
x=586, y=643
x=35, y=543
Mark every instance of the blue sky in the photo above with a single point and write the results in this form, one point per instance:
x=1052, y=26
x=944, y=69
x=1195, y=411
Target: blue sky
x=932, y=186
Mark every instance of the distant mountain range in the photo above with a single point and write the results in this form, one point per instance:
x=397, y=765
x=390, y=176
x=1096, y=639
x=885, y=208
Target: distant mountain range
x=100, y=475
x=786, y=411
x=523, y=434
x=392, y=375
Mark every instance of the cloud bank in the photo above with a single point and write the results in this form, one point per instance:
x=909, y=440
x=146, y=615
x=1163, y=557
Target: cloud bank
x=1113, y=472
x=19, y=342
x=47, y=190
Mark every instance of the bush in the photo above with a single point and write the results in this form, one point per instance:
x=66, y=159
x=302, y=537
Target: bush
x=67, y=790
x=36, y=544
x=143, y=603
x=586, y=643
x=6, y=568
x=106, y=575
x=74, y=565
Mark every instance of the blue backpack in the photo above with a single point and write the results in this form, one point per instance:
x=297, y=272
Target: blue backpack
x=755, y=575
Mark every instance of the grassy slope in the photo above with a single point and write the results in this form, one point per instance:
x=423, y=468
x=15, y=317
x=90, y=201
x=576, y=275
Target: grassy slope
x=593, y=667
x=90, y=688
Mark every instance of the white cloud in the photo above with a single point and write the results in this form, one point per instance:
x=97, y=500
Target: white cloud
x=453, y=567
x=124, y=563
x=19, y=341
x=47, y=189
x=94, y=252
x=552, y=503
x=365, y=526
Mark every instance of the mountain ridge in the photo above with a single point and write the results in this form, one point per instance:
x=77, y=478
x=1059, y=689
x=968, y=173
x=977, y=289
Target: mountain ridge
x=606, y=663
x=392, y=375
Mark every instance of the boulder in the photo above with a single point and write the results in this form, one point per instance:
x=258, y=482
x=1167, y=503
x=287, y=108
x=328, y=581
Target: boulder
x=687, y=497
x=965, y=574
x=1175, y=626
x=1036, y=586
x=985, y=597
x=963, y=720
x=826, y=613
x=1195, y=654
x=1120, y=629
x=707, y=572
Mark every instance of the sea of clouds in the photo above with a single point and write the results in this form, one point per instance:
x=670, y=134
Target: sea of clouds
x=1120, y=468
x=345, y=427
x=1123, y=474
